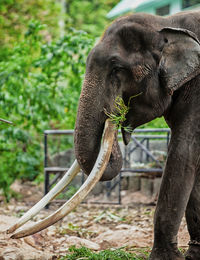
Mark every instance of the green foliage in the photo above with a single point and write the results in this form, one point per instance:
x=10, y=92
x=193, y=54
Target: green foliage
x=156, y=123
x=41, y=81
x=117, y=254
x=15, y=14
x=71, y=190
x=40, y=86
x=20, y=157
x=118, y=116
x=89, y=15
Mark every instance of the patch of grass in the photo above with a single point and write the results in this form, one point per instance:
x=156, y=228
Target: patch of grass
x=115, y=254
x=106, y=215
x=79, y=231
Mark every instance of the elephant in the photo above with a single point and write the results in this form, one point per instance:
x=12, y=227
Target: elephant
x=158, y=57
x=156, y=60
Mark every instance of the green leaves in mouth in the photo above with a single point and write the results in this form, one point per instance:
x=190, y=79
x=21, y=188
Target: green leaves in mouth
x=118, y=115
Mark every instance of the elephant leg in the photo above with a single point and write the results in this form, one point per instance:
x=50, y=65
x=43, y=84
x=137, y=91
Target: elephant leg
x=176, y=186
x=193, y=222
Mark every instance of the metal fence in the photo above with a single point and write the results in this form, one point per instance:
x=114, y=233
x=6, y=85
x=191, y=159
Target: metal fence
x=141, y=140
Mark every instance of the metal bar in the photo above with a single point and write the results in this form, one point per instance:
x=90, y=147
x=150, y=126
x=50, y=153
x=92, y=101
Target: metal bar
x=144, y=148
x=137, y=145
x=168, y=138
x=119, y=194
x=146, y=130
x=46, y=185
x=108, y=188
x=148, y=136
x=126, y=161
x=56, y=169
x=141, y=151
x=114, y=185
x=82, y=178
x=138, y=134
x=46, y=181
x=57, y=177
x=151, y=130
x=142, y=170
x=45, y=151
x=54, y=132
x=147, y=146
x=46, y=175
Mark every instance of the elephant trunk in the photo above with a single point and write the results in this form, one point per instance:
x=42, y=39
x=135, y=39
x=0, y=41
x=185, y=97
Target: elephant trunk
x=89, y=129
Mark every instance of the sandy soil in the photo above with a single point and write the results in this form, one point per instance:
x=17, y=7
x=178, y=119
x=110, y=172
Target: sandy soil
x=94, y=226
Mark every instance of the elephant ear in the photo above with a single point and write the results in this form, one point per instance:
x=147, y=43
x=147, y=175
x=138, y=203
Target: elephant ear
x=180, y=60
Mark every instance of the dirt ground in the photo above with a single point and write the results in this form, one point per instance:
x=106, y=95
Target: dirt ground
x=95, y=226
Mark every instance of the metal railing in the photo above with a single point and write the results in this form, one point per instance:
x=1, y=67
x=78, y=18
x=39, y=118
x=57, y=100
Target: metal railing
x=140, y=140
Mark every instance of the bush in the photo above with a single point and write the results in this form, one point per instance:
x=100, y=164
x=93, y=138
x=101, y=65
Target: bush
x=15, y=15
x=40, y=85
x=156, y=123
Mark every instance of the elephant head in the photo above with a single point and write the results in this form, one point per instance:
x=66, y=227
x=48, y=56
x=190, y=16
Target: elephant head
x=131, y=58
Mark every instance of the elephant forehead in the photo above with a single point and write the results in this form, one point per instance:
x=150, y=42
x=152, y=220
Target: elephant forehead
x=133, y=35
x=102, y=52
x=103, y=57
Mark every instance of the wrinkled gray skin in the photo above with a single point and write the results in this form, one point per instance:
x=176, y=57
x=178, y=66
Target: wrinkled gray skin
x=159, y=57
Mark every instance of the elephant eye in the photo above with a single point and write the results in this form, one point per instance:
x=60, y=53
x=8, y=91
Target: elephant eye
x=116, y=70
x=115, y=77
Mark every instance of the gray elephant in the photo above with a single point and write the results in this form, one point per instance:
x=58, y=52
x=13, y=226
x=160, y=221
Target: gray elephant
x=160, y=58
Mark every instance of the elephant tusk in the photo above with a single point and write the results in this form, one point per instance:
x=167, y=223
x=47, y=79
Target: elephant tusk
x=93, y=178
x=66, y=179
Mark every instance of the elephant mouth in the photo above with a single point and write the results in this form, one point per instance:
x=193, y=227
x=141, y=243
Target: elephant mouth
x=127, y=129
x=126, y=135
x=94, y=176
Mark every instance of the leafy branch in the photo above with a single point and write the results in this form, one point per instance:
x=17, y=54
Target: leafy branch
x=5, y=121
x=118, y=115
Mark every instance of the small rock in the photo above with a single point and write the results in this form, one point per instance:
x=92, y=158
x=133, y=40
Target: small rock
x=82, y=242
x=11, y=254
x=21, y=208
x=16, y=186
x=30, y=241
x=3, y=243
x=104, y=244
x=61, y=240
x=123, y=226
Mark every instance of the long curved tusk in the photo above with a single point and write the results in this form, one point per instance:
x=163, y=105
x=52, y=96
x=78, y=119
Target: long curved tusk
x=66, y=179
x=79, y=196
